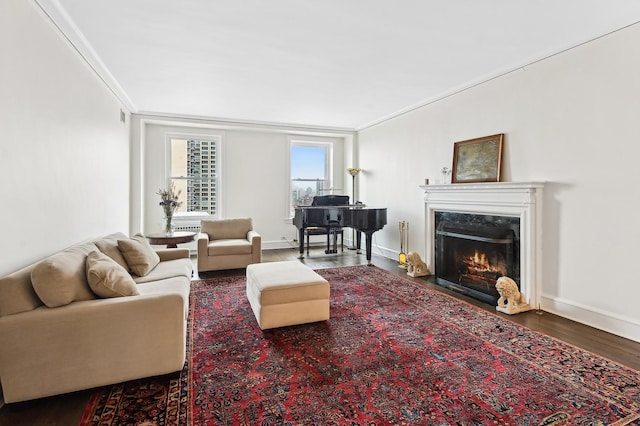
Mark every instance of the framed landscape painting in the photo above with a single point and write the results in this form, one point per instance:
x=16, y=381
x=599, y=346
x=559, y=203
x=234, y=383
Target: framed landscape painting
x=477, y=160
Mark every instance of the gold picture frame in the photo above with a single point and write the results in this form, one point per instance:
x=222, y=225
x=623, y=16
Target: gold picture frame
x=477, y=160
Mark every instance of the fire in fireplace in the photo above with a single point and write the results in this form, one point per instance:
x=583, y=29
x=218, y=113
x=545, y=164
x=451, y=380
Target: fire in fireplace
x=472, y=251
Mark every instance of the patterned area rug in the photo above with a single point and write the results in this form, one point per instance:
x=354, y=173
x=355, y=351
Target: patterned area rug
x=394, y=352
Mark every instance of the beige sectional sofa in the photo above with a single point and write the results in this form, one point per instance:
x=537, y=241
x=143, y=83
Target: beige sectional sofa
x=80, y=318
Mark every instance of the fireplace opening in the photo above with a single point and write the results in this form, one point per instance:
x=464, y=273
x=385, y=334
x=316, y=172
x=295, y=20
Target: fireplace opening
x=473, y=251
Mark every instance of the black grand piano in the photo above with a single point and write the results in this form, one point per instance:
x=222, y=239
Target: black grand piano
x=334, y=211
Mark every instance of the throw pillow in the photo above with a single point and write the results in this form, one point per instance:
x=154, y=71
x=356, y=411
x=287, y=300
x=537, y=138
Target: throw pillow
x=107, y=278
x=139, y=254
x=61, y=279
x=109, y=247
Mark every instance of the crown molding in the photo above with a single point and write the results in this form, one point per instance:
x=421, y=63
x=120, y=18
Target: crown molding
x=237, y=124
x=68, y=29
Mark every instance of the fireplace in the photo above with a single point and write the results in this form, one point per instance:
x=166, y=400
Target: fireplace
x=472, y=251
x=502, y=219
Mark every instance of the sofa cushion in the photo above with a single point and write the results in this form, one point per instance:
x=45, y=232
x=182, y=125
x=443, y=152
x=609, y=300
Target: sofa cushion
x=168, y=269
x=61, y=279
x=229, y=247
x=226, y=228
x=140, y=256
x=109, y=246
x=107, y=278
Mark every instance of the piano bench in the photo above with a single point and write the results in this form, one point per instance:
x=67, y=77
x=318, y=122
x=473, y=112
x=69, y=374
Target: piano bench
x=318, y=230
x=286, y=293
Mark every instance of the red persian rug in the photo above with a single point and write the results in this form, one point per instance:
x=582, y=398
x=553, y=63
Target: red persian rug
x=394, y=352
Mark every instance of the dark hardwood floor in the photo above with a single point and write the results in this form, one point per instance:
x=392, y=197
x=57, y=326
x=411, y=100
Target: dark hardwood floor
x=67, y=409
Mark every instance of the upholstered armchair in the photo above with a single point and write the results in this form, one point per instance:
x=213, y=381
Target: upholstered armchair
x=228, y=244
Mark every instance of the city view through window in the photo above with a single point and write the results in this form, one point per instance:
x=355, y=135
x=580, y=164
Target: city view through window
x=193, y=172
x=309, y=165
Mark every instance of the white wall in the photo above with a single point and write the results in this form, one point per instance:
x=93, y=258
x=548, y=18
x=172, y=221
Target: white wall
x=571, y=120
x=254, y=172
x=64, y=154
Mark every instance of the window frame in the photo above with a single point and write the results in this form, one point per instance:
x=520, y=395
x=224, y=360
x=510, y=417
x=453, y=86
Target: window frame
x=217, y=139
x=329, y=146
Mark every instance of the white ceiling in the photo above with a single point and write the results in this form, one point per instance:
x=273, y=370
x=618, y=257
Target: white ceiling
x=330, y=63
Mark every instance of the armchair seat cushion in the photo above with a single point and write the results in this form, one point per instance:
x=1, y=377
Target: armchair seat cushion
x=227, y=247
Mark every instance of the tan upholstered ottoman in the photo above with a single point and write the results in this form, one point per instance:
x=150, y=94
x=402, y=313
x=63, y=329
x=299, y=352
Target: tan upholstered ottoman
x=286, y=293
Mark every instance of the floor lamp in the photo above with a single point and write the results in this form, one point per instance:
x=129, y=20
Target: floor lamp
x=353, y=171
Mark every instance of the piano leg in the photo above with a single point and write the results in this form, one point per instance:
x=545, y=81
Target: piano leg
x=328, y=249
x=353, y=245
x=334, y=236
x=369, y=238
x=301, y=241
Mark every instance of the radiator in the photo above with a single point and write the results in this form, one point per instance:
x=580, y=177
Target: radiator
x=186, y=227
x=189, y=221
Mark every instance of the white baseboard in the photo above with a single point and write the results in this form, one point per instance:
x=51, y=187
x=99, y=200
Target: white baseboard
x=606, y=321
x=280, y=244
x=385, y=252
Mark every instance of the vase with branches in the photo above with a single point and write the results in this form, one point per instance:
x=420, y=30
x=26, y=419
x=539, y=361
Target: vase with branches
x=169, y=202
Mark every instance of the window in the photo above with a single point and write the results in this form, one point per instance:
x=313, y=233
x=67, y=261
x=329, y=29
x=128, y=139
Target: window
x=310, y=171
x=194, y=174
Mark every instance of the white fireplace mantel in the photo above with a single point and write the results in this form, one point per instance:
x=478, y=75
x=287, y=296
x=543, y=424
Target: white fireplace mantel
x=516, y=199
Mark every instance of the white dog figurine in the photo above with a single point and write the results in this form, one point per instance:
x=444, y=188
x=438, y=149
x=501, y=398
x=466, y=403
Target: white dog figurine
x=511, y=301
x=415, y=266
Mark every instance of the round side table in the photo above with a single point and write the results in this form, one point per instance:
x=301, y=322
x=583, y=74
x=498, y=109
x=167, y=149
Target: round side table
x=172, y=240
